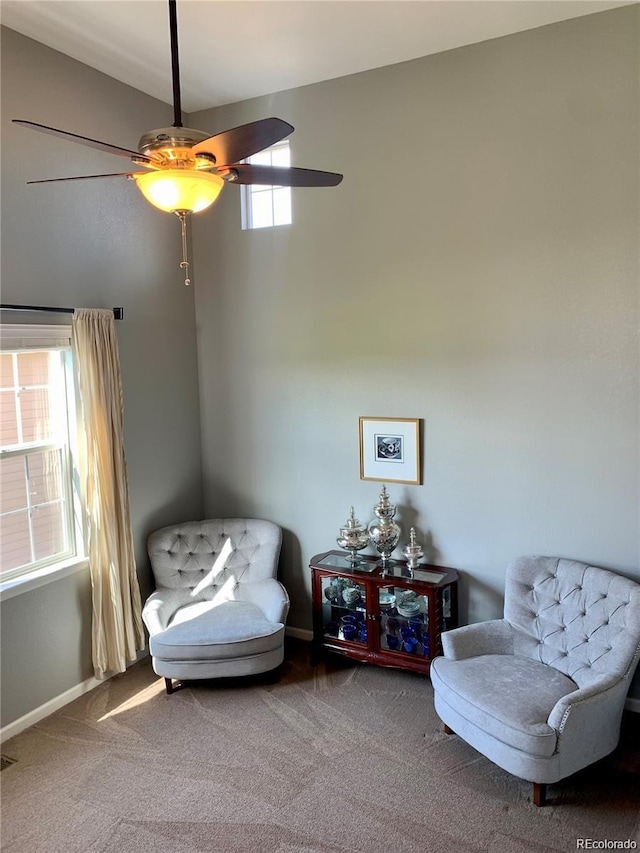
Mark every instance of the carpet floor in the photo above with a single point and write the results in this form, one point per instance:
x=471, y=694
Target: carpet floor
x=337, y=758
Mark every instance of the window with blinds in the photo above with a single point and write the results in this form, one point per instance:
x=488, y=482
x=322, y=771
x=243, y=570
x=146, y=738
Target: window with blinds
x=37, y=428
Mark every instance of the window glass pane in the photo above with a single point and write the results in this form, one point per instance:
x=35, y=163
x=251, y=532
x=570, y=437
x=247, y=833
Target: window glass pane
x=15, y=547
x=261, y=210
x=6, y=370
x=48, y=530
x=282, y=206
x=37, y=496
x=13, y=477
x=8, y=419
x=34, y=409
x=33, y=368
x=281, y=156
x=263, y=158
x=45, y=476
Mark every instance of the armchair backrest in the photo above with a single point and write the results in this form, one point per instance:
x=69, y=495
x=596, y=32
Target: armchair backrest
x=202, y=556
x=582, y=620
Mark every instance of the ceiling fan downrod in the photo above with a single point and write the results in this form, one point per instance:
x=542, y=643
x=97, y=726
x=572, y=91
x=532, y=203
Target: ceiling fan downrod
x=175, y=67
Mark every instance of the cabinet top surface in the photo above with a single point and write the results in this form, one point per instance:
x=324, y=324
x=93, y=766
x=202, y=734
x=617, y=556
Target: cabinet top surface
x=337, y=562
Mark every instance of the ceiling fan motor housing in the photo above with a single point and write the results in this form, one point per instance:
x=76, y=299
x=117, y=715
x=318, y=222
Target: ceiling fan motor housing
x=172, y=145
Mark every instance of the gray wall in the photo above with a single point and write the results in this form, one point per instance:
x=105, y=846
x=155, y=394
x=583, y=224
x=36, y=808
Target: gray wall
x=477, y=268
x=94, y=244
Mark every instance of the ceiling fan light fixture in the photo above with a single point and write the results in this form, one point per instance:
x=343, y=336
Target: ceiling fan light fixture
x=175, y=190
x=180, y=158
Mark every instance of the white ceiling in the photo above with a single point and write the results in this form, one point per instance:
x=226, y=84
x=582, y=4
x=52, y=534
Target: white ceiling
x=231, y=50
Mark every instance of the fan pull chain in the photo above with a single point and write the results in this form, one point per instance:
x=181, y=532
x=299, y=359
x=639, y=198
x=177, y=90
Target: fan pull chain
x=182, y=216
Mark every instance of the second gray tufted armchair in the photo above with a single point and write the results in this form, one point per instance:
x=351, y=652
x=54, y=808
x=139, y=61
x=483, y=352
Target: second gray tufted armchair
x=218, y=609
x=541, y=692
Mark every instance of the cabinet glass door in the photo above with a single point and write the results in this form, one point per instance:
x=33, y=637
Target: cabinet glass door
x=404, y=621
x=344, y=609
x=447, y=621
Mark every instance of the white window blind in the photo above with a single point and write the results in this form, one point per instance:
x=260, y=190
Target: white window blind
x=15, y=337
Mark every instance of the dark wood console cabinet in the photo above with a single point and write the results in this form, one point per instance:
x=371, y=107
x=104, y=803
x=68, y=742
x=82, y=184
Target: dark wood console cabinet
x=390, y=619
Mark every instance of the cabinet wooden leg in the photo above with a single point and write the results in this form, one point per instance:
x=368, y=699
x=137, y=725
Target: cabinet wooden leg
x=539, y=793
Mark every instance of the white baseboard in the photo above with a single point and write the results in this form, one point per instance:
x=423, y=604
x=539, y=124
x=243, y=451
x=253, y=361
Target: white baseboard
x=33, y=717
x=299, y=633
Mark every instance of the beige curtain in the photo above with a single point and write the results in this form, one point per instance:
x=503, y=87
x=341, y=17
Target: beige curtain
x=117, y=631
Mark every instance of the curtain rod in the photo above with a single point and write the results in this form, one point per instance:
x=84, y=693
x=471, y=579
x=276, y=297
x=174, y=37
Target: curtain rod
x=118, y=313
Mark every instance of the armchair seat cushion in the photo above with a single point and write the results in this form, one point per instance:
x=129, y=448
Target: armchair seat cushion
x=239, y=629
x=510, y=698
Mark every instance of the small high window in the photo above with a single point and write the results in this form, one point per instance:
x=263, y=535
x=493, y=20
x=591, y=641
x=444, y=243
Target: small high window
x=266, y=206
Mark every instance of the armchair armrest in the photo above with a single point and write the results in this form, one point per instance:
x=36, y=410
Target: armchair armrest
x=268, y=594
x=588, y=719
x=160, y=607
x=584, y=700
x=494, y=637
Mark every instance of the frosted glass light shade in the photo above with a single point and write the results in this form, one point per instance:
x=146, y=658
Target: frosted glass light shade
x=180, y=189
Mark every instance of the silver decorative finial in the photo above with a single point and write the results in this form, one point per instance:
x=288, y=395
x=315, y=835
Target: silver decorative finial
x=412, y=552
x=383, y=530
x=353, y=537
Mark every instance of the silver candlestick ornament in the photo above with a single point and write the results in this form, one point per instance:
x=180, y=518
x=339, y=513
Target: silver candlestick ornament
x=383, y=530
x=353, y=537
x=412, y=552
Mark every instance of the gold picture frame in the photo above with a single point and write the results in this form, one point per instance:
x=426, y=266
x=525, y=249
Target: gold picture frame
x=390, y=450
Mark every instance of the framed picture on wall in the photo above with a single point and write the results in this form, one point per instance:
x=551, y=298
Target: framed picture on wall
x=390, y=450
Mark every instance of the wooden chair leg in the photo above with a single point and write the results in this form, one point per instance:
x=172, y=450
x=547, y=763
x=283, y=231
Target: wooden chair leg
x=539, y=793
x=173, y=686
x=447, y=730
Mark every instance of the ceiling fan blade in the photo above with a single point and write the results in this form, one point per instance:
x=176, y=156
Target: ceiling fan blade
x=85, y=140
x=87, y=177
x=241, y=142
x=280, y=176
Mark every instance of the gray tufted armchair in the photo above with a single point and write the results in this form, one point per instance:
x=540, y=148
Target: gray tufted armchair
x=541, y=692
x=218, y=609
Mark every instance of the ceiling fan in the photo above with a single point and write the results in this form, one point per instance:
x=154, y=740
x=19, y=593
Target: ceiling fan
x=184, y=170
